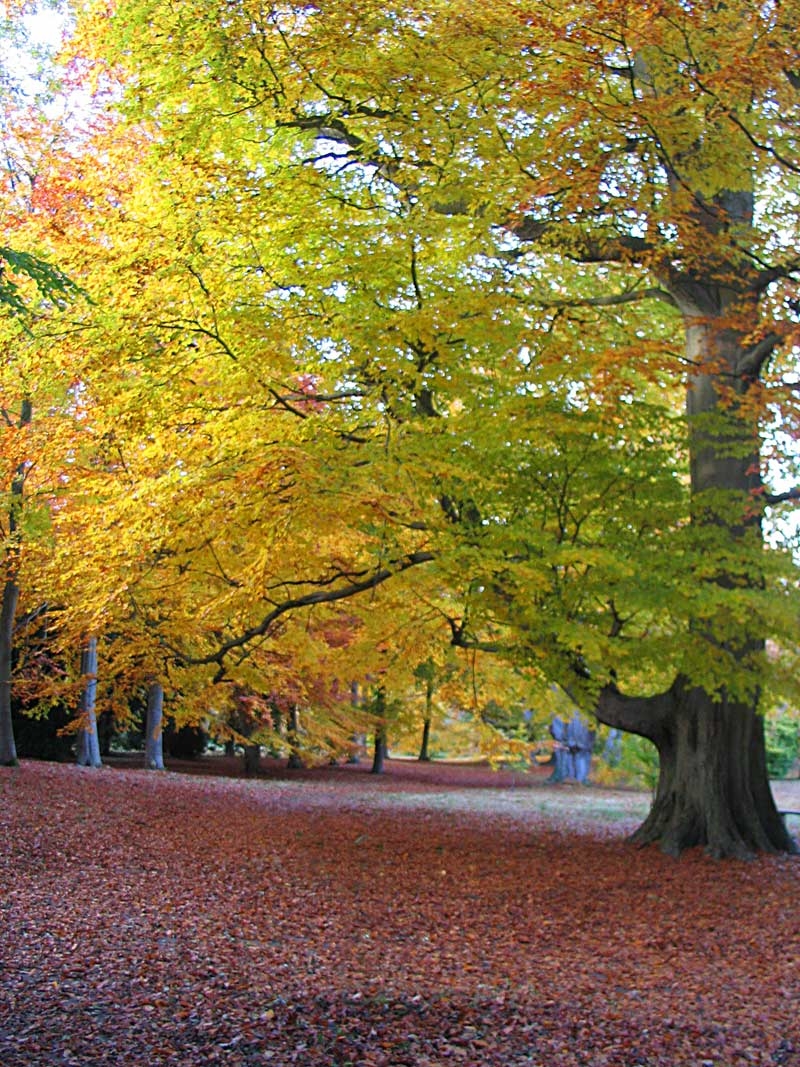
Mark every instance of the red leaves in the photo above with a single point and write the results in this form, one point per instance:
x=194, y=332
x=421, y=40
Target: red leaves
x=332, y=919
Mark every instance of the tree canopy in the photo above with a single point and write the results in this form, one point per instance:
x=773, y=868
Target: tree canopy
x=496, y=307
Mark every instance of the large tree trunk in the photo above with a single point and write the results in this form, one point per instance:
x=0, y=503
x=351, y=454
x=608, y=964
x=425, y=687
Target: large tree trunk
x=713, y=789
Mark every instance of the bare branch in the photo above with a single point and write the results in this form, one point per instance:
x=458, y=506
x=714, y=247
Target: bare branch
x=782, y=498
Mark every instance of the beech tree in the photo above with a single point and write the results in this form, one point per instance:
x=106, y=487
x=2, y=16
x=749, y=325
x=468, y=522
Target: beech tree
x=541, y=266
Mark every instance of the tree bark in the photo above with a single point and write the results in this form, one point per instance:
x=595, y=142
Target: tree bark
x=88, y=747
x=252, y=759
x=154, y=744
x=381, y=740
x=380, y=749
x=424, y=756
x=713, y=790
x=294, y=762
x=8, y=749
x=358, y=740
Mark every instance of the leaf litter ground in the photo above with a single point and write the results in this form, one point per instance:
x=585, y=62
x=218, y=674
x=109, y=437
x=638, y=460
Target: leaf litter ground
x=434, y=916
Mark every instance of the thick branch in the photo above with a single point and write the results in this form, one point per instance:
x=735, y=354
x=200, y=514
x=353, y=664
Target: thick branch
x=326, y=127
x=754, y=359
x=782, y=498
x=644, y=716
x=623, y=248
x=768, y=275
x=461, y=640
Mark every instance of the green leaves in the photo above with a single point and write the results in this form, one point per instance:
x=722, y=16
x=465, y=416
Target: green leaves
x=49, y=283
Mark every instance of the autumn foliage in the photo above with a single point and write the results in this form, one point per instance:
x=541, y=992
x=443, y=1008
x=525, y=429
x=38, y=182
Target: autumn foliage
x=482, y=321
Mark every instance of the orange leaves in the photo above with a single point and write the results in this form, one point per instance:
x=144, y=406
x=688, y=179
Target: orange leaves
x=307, y=921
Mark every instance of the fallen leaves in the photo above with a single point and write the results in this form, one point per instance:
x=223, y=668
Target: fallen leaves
x=167, y=919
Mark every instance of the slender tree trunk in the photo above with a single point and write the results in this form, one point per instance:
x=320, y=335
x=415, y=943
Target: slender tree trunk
x=294, y=762
x=252, y=759
x=278, y=724
x=8, y=749
x=381, y=740
x=424, y=755
x=106, y=729
x=379, y=752
x=355, y=701
x=154, y=743
x=88, y=747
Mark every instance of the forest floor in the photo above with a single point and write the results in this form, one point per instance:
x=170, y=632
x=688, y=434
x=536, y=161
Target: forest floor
x=436, y=915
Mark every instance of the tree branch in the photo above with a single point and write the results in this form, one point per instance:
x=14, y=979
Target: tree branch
x=782, y=498
x=767, y=275
x=615, y=299
x=754, y=359
x=358, y=584
x=644, y=716
x=583, y=249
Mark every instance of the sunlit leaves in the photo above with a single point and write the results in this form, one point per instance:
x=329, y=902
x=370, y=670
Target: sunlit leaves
x=372, y=281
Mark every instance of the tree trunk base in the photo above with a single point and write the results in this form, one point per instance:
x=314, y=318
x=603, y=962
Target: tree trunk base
x=713, y=790
x=252, y=760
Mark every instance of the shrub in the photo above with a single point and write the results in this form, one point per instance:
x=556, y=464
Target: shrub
x=635, y=763
x=188, y=742
x=781, y=735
